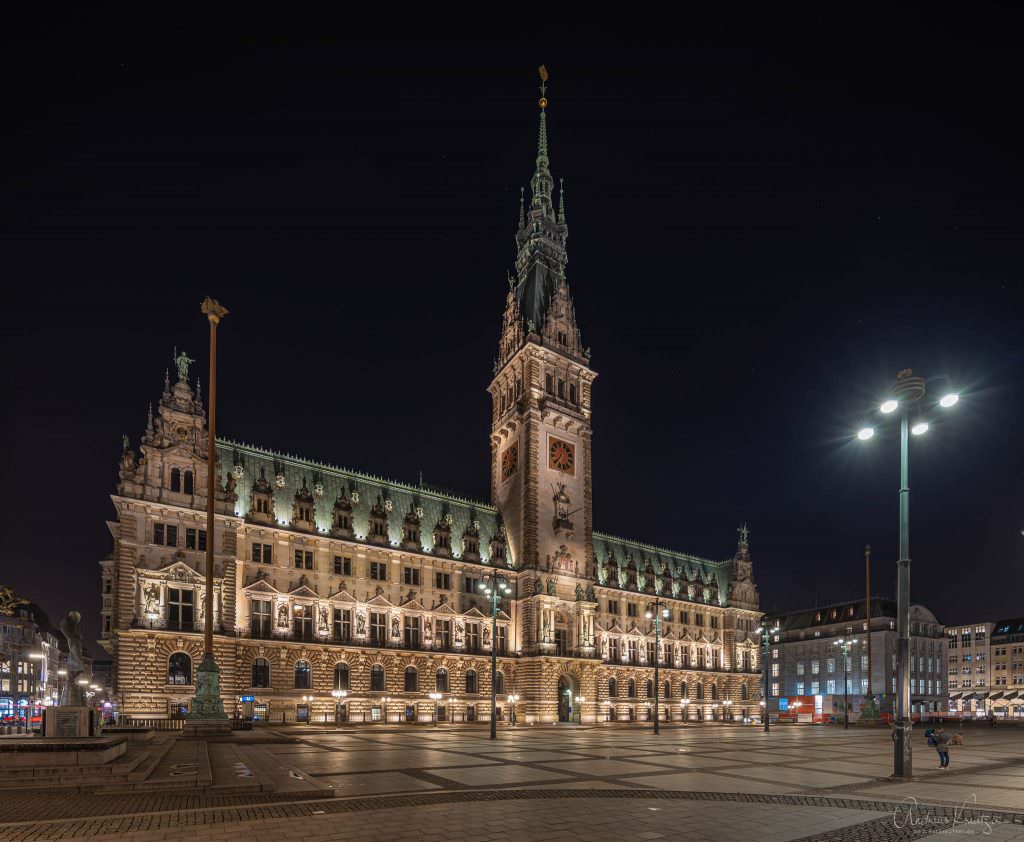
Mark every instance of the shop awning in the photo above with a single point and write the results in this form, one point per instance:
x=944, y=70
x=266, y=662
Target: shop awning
x=955, y=696
x=1009, y=697
x=981, y=696
x=996, y=696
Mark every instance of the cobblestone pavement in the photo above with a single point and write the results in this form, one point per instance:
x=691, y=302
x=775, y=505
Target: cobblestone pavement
x=711, y=782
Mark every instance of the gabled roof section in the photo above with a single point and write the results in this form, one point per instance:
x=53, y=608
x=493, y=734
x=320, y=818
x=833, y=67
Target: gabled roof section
x=328, y=482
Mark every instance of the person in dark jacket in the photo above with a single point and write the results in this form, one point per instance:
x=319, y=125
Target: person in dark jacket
x=942, y=746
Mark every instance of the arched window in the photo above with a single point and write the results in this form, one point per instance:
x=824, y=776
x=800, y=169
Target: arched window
x=650, y=688
x=175, y=479
x=179, y=669
x=376, y=678
x=613, y=688
x=189, y=484
x=303, y=676
x=682, y=689
x=412, y=683
x=341, y=676
x=700, y=690
x=441, y=681
x=260, y=673
x=744, y=692
x=668, y=690
x=499, y=683
x=470, y=681
x=714, y=691
x=631, y=689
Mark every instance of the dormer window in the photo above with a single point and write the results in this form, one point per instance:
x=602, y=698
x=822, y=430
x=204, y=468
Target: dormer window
x=411, y=530
x=303, y=513
x=377, y=530
x=443, y=535
x=261, y=507
x=497, y=548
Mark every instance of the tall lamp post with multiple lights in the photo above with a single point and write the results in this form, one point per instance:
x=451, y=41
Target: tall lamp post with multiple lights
x=845, y=646
x=765, y=633
x=655, y=611
x=904, y=401
x=494, y=585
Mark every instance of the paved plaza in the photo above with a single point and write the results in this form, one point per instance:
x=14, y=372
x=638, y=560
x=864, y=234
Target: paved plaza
x=694, y=783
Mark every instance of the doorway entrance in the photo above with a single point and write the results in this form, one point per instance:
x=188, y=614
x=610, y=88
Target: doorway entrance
x=568, y=690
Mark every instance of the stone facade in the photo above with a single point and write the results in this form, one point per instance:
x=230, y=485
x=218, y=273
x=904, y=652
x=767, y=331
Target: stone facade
x=365, y=594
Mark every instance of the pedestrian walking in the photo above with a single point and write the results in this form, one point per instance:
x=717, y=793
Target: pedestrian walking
x=942, y=746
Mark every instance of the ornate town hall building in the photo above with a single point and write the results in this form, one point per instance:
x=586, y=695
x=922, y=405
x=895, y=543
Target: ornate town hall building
x=342, y=594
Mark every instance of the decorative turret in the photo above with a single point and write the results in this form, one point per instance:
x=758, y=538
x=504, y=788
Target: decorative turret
x=304, y=509
x=742, y=590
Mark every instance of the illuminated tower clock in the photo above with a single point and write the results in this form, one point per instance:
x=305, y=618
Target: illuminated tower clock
x=540, y=431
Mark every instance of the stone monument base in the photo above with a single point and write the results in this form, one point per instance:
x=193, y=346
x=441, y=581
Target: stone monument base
x=207, y=717
x=68, y=721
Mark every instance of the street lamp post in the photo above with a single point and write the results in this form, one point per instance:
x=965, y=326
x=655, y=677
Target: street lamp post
x=844, y=646
x=905, y=397
x=765, y=633
x=494, y=585
x=655, y=611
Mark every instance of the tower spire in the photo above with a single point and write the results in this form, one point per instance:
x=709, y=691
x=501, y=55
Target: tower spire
x=541, y=184
x=522, y=214
x=561, y=202
x=542, y=138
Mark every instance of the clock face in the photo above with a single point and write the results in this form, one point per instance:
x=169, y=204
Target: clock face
x=509, y=461
x=561, y=455
x=181, y=432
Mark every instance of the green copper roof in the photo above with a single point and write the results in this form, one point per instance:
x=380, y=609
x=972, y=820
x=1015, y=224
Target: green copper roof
x=334, y=480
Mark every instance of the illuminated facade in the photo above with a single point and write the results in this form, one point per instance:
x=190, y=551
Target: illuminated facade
x=364, y=594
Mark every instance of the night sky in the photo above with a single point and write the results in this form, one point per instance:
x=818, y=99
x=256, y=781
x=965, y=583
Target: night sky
x=766, y=224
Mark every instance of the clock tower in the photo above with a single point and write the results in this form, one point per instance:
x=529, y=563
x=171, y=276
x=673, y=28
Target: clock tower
x=540, y=430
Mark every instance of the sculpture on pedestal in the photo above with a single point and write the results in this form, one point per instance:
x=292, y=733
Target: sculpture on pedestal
x=70, y=627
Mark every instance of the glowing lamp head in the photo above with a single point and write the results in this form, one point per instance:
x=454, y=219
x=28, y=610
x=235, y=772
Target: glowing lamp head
x=920, y=428
x=865, y=433
x=890, y=405
x=949, y=400
x=648, y=615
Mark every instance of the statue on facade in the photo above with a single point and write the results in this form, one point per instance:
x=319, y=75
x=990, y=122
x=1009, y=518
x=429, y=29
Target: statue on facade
x=591, y=596
x=282, y=616
x=538, y=587
x=361, y=624
x=394, y=626
x=152, y=597
x=183, y=361
x=551, y=587
x=71, y=629
x=487, y=635
x=579, y=592
x=324, y=625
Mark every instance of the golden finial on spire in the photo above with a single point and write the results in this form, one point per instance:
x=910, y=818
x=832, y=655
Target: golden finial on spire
x=543, y=86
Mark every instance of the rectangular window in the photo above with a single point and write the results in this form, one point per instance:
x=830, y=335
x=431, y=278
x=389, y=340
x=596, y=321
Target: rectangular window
x=775, y=654
x=342, y=566
x=572, y=393
x=714, y=621
x=443, y=633
x=775, y=670
x=684, y=617
x=472, y=584
x=561, y=388
x=260, y=618
x=630, y=609
x=863, y=662
x=549, y=384
x=298, y=559
x=814, y=688
x=775, y=688
x=799, y=669
x=412, y=575
x=180, y=609
x=613, y=649
x=172, y=536
x=443, y=581
x=158, y=533
x=830, y=686
x=651, y=654
x=342, y=621
x=799, y=688
x=302, y=622
x=473, y=637
x=379, y=570
x=613, y=606
x=378, y=627
x=698, y=619
x=412, y=632
x=631, y=651
x=308, y=556
x=502, y=640
x=262, y=553
x=815, y=667
x=830, y=665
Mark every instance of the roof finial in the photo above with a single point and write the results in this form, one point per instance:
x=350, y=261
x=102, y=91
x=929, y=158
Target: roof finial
x=522, y=214
x=542, y=140
x=149, y=419
x=561, y=201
